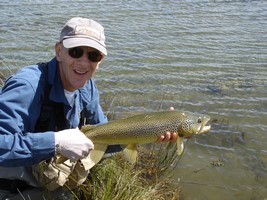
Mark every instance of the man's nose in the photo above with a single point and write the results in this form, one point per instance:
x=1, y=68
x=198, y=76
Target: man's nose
x=84, y=60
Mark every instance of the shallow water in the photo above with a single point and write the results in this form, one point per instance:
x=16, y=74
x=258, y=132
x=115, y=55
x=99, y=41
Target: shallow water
x=201, y=56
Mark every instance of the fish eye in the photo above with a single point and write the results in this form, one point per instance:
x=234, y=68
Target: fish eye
x=199, y=120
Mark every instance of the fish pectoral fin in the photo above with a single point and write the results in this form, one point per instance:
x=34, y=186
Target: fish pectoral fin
x=96, y=154
x=130, y=153
x=171, y=146
x=180, y=146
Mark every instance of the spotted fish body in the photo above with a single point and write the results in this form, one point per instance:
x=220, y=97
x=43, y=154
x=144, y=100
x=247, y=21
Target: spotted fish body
x=144, y=128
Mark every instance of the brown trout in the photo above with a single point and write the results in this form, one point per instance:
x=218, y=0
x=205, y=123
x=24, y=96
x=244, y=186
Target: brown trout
x=143, y=128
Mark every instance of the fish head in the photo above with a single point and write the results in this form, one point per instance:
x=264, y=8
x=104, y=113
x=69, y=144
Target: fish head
x=193, y=124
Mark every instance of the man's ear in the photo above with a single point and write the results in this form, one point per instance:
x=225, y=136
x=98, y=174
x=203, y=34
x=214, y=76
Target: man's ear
x=58, y=50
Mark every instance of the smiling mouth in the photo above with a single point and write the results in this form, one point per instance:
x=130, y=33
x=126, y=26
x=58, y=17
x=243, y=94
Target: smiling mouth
x=79, y=72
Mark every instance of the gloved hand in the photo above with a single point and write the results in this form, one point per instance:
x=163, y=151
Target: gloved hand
x=73, y=144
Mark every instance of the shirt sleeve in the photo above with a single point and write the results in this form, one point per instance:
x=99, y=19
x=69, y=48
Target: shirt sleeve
x=19, y=111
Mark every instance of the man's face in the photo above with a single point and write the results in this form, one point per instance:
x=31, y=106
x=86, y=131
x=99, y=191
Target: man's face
x=75, y=72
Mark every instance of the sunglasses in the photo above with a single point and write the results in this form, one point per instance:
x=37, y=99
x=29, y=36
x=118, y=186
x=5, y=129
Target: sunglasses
x=93, y=56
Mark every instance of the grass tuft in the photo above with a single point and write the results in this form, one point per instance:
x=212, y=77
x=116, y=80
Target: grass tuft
x=114, y=178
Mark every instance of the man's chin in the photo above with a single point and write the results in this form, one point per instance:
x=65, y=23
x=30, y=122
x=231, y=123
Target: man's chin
x=80, y=85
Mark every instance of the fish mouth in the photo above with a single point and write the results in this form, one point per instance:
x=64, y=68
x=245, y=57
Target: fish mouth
x=205, y=129
x=205, y=126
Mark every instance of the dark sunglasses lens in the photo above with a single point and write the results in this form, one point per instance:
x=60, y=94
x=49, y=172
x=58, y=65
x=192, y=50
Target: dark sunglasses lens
x=76, y=52
x=95, y=56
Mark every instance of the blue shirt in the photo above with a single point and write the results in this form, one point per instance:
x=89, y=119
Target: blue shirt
x=20, y=108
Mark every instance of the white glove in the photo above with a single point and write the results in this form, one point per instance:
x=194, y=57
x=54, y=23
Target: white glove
x=73, y=144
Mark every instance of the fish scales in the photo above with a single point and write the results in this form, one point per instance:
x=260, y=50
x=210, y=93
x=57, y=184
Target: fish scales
x=140, y=128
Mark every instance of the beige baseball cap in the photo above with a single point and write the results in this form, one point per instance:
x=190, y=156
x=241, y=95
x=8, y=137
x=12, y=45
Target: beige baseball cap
x=83, y=32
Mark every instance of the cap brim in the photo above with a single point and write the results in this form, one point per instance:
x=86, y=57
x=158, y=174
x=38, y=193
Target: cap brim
x=75, y=42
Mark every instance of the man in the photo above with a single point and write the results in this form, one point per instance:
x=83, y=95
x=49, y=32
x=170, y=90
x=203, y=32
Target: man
x=42, y=105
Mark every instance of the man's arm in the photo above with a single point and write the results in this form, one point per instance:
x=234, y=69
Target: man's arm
x=19, y=110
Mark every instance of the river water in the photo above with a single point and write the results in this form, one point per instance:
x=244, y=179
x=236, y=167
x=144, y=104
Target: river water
x=203, y=56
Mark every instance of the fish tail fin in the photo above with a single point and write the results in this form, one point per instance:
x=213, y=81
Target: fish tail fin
x=130, y=153
x=180, y=146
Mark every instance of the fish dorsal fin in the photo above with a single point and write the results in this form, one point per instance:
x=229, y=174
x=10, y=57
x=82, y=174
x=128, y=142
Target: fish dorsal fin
x=130, y=153
x=96, y=154
x=180, y=146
